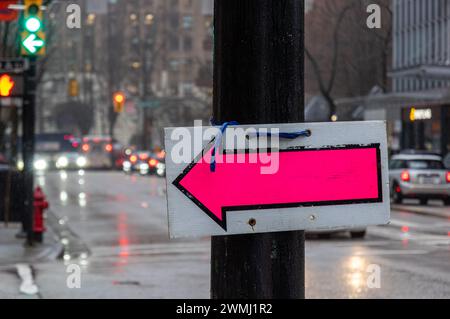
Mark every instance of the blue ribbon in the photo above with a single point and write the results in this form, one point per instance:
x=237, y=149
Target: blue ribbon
x=218, y=142
x=288, y=136
x=224, y=126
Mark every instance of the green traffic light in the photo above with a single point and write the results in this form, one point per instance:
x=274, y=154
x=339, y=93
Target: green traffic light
x=33, y=24
x=32, y=43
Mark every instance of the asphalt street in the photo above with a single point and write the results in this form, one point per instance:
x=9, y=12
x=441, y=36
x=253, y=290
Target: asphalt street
x=115, y=227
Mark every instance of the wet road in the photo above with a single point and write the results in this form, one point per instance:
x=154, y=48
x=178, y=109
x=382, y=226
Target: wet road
x=115, y=227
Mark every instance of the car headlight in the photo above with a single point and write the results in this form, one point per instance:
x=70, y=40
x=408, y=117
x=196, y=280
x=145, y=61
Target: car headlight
x=81, y=162
x=20, y=165
x=62, y=162
x=144, y=167
x=41, y=165
x=126, y=165
x=161, y=166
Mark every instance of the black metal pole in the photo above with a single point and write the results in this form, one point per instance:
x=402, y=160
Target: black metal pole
x=28, y=136
x=258, y=78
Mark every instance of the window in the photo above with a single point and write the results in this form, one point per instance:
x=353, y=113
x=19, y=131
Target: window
x=174, y=21
x=397, y=164
x=174, y=44
x=425, y=164
x=187, y=22
x=187, y=43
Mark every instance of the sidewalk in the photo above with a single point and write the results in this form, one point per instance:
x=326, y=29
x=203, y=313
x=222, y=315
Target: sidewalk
x=435, y=211
x=14, y=252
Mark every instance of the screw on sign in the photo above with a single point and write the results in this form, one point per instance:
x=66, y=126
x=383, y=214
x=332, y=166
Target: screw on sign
x=6, y=85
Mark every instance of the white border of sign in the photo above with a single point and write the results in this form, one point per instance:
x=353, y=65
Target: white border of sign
x=188, y=220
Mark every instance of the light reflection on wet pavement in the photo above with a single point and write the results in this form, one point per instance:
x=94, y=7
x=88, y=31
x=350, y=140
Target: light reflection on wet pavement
x=118, y=226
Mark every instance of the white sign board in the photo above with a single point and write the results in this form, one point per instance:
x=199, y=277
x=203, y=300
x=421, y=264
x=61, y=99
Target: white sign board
x=273, y=178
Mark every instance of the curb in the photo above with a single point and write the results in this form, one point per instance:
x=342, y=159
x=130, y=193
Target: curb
x=421, y=211
x=47, y=251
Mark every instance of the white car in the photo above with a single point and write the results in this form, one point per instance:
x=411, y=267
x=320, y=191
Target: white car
x=419, y=176
x=69, y=161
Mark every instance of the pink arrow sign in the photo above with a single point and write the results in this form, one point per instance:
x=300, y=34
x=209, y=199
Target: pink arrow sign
x=305, y=178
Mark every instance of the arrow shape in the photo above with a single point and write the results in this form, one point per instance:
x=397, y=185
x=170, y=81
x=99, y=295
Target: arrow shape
x=344, y=175
x=32, y=43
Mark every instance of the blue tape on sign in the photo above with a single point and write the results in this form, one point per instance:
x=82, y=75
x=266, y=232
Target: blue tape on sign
x=289, y=136
x=218, y=142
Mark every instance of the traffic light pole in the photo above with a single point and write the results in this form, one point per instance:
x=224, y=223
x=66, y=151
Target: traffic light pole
x=258, y=78
x=28, y=146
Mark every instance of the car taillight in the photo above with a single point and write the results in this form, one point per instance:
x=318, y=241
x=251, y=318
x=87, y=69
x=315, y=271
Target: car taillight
x=109, y=148
x=162, y=155
x=405, y=176
x=153, y=163
x=448, y=177
x=133, y=159
x=85, y=148
x=143, y=157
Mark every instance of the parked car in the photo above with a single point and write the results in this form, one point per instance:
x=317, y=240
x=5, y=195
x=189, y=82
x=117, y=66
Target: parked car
x=419, y=176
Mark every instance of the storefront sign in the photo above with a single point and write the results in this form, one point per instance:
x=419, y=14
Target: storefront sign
x=420, y=114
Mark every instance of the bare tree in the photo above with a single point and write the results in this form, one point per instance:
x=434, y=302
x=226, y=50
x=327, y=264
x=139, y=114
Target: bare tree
x=345, y=57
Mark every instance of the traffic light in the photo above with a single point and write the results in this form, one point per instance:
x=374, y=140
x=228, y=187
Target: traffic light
x=73, y=88
x=7, y=84
x=33, y=35
x=119, y=102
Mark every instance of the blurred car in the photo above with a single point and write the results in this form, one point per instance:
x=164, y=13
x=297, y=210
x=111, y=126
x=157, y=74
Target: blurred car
x=419, y=176
x=71, y=161
x=447, y=161
x=128, y=165
x=52, y=151
x=145, y=163
x=98, y=152
x=137, y=161
x=120, y=156
x=43, y=162
x=161, y=165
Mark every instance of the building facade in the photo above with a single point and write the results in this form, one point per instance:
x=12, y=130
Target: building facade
x=149, y=49
x=417, y=109
x=166, y=44
x=421, y=72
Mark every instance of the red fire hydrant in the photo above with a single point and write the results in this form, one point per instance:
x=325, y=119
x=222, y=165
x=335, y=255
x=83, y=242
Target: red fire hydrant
x=40, y=204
